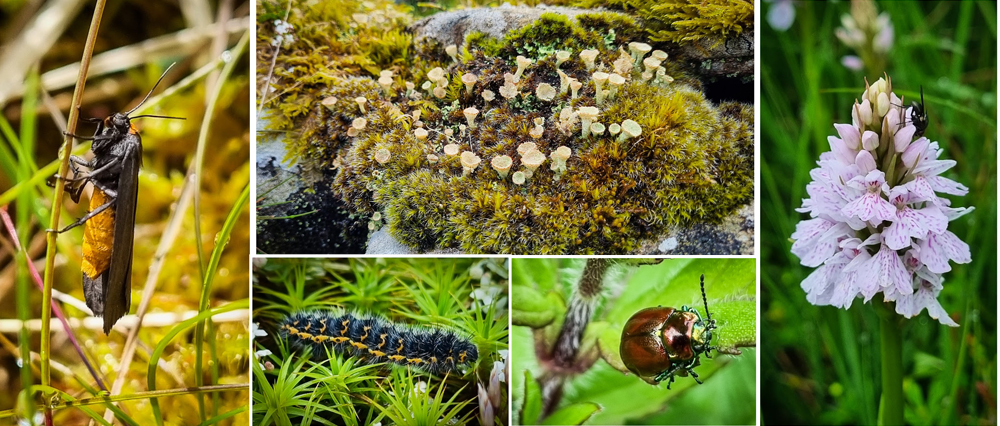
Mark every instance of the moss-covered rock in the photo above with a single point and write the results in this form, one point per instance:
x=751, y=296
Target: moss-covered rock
x=675, y=159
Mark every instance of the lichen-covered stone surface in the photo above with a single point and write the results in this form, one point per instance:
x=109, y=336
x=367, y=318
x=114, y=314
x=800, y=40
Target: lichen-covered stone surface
x=509, y=130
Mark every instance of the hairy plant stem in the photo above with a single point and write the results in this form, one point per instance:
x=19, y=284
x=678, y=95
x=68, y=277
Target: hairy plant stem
x=891, y=404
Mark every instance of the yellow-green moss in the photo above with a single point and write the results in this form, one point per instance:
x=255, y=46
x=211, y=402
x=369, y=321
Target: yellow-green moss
x=684, y=21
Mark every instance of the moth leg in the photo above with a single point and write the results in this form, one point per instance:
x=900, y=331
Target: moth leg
x=91, y=214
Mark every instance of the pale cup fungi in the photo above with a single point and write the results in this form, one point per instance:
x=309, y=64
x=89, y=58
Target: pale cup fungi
x=614, y=129
x=385, y=73
x=526, y=147
x=508, y=91
x=361, y=100
x=518, y=178
x=597, y=129
x=532, y=159
x=449, y=132
x=439, y=92
x=638, y=50
x=428, y=87
x=382, y=156
x=470, y=116
x=502, y=165
x=452, y=51
x=651, y=64
x=329, y=102
x=359, y=123
x=615, y=81
x=588, y=56
x=438, y=77
x=562, y=56
x=563, y=82
x=488, y=95
x=469, y=162
x=431, y=158
x=545, y=92
x=451, y=149
x=659, y=54
x=559, y=157
x=536, y=132
x=645, y=76
x=630, y=129
x=599, y=79
x=575, y=86
x=522, y=64
x=409, y=88
x=461, y=130
x=416, y=115
x=587, y=116
x=421, y=134
x=386, y=83
x=469, y=79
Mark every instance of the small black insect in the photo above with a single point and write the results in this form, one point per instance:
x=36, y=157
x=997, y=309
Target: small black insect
x=108, y=236
x=918, y=115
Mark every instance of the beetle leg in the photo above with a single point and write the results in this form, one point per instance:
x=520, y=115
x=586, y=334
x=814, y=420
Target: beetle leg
x=694, y=375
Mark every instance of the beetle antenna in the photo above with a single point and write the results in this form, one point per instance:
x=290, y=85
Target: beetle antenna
x=151, y=90
x=705, y=298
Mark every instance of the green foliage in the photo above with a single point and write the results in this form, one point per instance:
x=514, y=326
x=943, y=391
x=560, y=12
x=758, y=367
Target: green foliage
x=684, y=21
x=822, y=363
x=342, y=390
x=730, y=285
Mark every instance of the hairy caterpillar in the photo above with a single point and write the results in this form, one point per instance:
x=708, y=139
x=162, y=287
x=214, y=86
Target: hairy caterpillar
x=375, y=339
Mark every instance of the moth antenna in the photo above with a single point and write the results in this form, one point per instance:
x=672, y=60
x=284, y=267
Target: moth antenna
x=151, y=90
x=923, y=105
x=158, y=116
x=705, y=298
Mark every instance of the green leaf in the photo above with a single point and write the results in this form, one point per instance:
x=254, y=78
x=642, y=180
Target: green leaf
x=532, y=400
x=574, y=414
x=531, y=308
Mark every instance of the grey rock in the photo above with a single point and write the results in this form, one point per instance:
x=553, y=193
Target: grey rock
x=452, y=27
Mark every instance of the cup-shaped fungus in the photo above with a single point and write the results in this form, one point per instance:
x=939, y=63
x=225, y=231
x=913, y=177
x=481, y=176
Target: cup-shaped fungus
x=329, y=102
x=409, y=88
x=461, y=129
x=587, y=116
x=575, y=86
x=437, y=76
x=638, y=50
x=562, y=56
x=361, y=100
x=421, y=134
x=382, y=156
x=386, y=83
x=651, y=64
x=522, y=64
x=439, y=92
x=451, y=149
x=532, y=159
x=615, y=81
x=452, y=51
x=470, y=116
x=588, y=57
x=659, y=54
x=502, y=165
x=559, y=157
x=536, y=132
x=614, y=129
x=545, y=92
x=428, y=87
x=630, y=129
x=526, y=147
x=359, y=123
x=469, y=162
x=508, y=91
x=431, y=158
x=597, y=129
x=488, y=95
x=518, y=178
x=645, y=76
x=563, y=82
x=599, y=79
x=469, y=79
x=385, y=73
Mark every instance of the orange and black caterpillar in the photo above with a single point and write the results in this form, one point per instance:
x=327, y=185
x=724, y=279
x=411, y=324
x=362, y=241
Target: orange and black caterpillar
x=374, y=339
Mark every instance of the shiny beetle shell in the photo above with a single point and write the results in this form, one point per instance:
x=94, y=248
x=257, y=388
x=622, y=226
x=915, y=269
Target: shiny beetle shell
x=656, y=338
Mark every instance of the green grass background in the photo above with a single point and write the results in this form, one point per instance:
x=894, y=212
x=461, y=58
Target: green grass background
x=821, y=364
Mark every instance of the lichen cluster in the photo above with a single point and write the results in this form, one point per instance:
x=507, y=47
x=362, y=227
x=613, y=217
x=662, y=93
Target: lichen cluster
x=567, y=136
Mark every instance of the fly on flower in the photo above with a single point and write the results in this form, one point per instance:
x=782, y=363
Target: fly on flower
x=877, y=221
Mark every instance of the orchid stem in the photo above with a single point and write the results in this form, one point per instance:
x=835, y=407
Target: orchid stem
x=891, y=406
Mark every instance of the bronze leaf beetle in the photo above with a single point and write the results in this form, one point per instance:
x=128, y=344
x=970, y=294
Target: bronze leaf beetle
x=663, y=342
